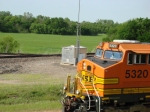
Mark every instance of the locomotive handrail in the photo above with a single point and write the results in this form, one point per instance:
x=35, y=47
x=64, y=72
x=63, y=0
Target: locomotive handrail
x=86, y=92
x=96, y=94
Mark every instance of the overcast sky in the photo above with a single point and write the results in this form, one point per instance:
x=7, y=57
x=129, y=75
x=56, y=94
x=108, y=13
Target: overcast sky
x=91, y=10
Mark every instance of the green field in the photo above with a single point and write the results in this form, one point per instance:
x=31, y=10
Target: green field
x=29, y=93
x=48, y=44
x=32, y=93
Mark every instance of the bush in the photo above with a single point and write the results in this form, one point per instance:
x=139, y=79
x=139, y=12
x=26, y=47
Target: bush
x=106, y=39
x=8, y=45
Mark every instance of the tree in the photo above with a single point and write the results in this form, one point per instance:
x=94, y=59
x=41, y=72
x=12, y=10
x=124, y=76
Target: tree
x=26, y=20
x=135, y=29
x=8, y=44
x=27, y=23
x=104, y=25
x=88, y=28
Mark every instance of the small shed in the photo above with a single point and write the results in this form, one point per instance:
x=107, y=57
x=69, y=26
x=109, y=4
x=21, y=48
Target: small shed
x=69, y=54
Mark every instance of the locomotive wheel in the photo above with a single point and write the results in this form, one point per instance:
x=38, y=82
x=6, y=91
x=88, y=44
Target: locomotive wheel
x=65, y=110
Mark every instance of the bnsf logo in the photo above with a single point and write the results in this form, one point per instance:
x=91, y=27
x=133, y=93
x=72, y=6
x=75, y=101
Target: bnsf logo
x=87, y=78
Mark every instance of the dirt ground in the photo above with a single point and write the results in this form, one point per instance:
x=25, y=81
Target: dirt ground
x=36, y=65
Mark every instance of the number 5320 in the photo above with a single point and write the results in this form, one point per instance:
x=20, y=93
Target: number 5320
x=136, y=74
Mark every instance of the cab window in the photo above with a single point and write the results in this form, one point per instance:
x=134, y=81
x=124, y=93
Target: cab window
x=115, y=55
x=140, y=58
x=99, y=52
x=136, y=58
x=130, y=58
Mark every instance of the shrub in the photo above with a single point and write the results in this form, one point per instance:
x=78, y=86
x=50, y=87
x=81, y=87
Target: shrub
x=8, y=45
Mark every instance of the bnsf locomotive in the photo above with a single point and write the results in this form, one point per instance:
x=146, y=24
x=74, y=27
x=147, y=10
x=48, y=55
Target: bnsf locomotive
x=115, y=79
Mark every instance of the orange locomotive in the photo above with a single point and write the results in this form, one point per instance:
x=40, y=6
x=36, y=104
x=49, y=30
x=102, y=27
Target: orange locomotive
x=118, y=76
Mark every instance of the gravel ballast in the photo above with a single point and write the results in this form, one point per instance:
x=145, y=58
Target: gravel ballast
x=36, y=65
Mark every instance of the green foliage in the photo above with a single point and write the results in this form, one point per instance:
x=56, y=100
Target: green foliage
x=145, y=37
x=112, y=33
x=103, y=26
x=26, y=23
x=8, y=45
x=135, y=29
x=88, y=28
x=106, y=39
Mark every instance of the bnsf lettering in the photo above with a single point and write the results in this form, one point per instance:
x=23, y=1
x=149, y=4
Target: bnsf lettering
x=113, y=45
x=136, y=74
x=87, y=78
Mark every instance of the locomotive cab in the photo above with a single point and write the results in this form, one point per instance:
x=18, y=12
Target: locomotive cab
x=117, y=76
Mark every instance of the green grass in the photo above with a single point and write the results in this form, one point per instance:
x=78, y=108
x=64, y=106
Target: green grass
x=41, y=106
x=44, y=43
x=27, y=93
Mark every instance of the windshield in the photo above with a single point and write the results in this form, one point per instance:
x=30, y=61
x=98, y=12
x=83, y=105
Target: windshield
x=98, y=52
x=116, y=55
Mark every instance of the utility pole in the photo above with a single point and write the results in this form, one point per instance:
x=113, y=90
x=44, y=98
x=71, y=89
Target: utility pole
x=78, y=41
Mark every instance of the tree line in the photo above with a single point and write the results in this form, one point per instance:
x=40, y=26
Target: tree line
x=27, y=23
x=134, y=29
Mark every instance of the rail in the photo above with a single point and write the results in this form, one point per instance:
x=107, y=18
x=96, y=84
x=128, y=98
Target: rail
x=86, y=92
x=99, y=99
x=20, y=55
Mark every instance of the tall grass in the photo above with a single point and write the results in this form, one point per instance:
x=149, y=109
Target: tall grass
x=44, y=43
x=29, y=92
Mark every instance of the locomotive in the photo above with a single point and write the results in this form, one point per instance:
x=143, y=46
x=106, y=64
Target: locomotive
x=115, y=79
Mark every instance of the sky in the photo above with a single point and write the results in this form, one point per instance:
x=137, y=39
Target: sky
x=90, y=10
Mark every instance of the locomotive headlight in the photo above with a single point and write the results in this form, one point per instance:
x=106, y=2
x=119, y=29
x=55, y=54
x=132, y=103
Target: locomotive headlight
x=65, y=87
x=84, y=65
x=77, y=92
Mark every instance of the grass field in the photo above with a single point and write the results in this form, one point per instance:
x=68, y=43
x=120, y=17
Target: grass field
x=29, y=93
x=37, y=93
x=44, y=43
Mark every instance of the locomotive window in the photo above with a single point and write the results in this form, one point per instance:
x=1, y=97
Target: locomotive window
x=130, y=58
x=89, y=68
x=137, y=58
x=116, y=55
x=99, y=52
x=140, y=58
x=143, y=58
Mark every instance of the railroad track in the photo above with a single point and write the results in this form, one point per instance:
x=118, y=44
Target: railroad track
x=20, y=55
